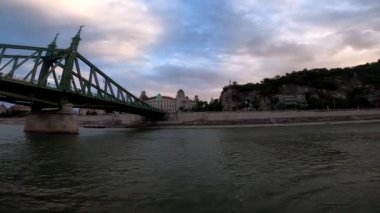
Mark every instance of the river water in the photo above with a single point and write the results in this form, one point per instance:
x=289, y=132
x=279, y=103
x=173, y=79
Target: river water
x=332, y=168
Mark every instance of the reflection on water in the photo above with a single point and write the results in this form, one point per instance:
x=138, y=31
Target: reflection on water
x=276, y=169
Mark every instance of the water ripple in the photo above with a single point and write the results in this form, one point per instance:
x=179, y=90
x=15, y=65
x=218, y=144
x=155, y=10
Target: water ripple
x=279, y=169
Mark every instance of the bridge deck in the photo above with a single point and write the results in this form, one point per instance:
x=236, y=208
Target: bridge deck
x=27, y=94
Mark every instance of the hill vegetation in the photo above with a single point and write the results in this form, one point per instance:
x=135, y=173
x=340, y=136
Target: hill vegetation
x=321, y=88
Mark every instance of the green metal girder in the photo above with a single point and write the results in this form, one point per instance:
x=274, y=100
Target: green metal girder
x=57, y=76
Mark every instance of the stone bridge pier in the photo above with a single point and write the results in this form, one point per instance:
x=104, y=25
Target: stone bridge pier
x=61, y=120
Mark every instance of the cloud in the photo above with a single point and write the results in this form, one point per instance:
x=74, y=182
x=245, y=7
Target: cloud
x=114, y=31
x=200, y=45
x=124, y=31
x=203, y=76
x=360, y=40
x=340, y=14
x=250, y=40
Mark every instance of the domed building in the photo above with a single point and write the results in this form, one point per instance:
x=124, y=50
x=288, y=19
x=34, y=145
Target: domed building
x=183, y=102
x=143, y=96
x=166, y=103
x=180, y=94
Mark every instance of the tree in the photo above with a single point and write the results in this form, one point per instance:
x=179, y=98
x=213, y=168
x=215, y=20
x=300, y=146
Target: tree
x=215, y=105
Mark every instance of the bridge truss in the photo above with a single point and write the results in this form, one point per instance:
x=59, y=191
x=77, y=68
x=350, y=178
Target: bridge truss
x=51, y=77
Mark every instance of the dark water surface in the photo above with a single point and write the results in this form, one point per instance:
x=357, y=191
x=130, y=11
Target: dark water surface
x=333, y=168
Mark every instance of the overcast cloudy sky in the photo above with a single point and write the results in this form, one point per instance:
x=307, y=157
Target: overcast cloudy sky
x=200, y=45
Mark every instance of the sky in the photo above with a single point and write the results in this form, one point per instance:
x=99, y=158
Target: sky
x=161, y=46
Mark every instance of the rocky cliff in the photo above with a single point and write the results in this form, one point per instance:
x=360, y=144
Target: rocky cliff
x=339, y=88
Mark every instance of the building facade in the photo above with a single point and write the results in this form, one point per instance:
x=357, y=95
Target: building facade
x=165, y=103
x=292, y=96
x=170, y=104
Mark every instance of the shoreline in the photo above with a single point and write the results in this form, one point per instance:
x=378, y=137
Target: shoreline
x=224, y=119
x=263, y=125
x=221, y=126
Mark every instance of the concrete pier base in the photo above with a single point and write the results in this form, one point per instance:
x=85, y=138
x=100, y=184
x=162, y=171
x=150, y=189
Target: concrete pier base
x=52, y=121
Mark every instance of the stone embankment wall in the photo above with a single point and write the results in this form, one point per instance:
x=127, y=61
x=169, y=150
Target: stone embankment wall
x=270, y=117
x=221, y=118
x=112, y=120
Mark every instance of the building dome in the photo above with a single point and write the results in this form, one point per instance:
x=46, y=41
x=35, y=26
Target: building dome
x=143, y=95
x=159, y=97
x=180, y=94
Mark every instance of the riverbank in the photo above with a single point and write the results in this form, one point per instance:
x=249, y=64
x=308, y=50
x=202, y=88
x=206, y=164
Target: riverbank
x=311, y=123
x=269, y=118
x=224, y=119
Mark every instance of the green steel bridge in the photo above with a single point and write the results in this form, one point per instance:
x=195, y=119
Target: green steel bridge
x=51, y=77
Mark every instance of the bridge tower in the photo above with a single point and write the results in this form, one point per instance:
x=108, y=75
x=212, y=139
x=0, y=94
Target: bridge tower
x=47, y=63
x=61, y=120
x=69, y=62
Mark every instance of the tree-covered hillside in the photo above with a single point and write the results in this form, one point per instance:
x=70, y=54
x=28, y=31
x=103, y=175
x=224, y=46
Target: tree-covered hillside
x=349, y=87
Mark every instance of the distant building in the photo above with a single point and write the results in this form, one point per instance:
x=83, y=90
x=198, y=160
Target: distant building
x=143, y=96
x=196, y=99
x=292, y=96
x=183, y=102
x=296, y=99
x=166, y=103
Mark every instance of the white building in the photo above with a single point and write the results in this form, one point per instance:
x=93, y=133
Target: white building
x=292, y=95
x=166, y=103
